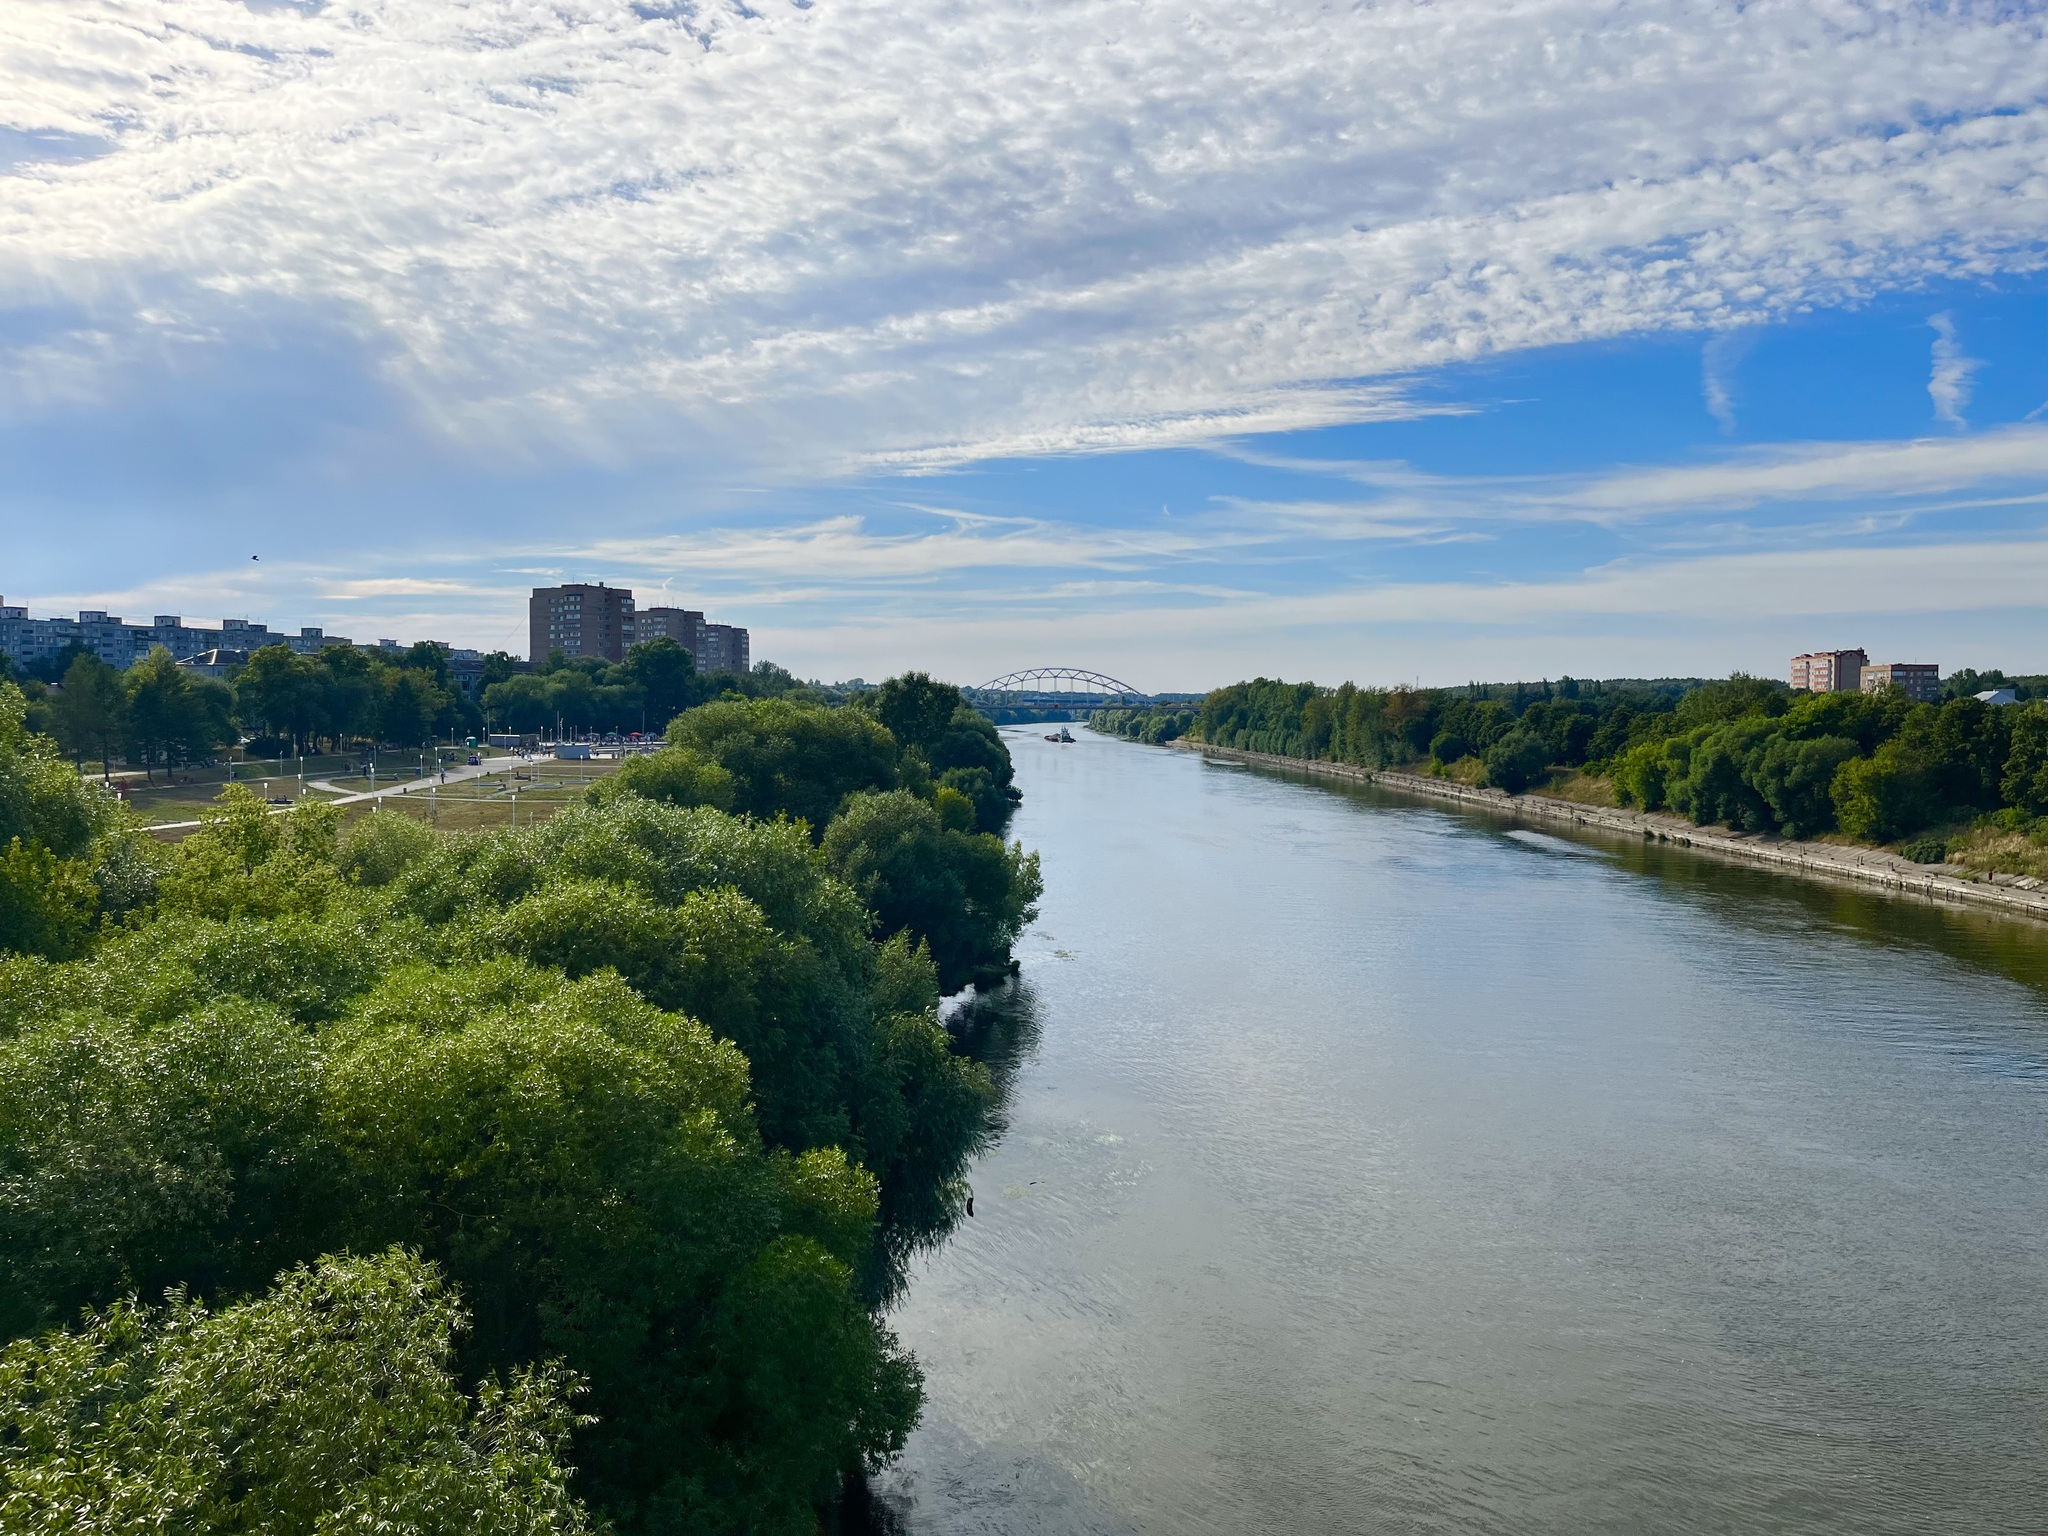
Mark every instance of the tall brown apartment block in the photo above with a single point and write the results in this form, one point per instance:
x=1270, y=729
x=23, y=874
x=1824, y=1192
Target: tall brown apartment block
x=714, y=647
x=725, y=649
x=1829, y=671
x=1919, y=681
x=685, y=626
x=581, y=620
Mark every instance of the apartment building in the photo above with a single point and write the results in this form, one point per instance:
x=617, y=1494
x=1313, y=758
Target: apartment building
x=715, y=647
x=121, y=644
x=725, y=649
x=1829, y=671
x=1920, y=681
x=685, y=626
x=581, y=620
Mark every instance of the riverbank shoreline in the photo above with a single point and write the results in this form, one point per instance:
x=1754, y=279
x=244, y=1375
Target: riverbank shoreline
x=1813, y=861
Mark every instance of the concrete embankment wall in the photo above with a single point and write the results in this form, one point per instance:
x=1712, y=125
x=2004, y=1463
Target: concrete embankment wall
x=1824, y=861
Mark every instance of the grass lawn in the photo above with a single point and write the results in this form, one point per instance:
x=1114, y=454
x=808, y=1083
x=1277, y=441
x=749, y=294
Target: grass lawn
x=490, y=802
x=1577, y=787
x=183, y=801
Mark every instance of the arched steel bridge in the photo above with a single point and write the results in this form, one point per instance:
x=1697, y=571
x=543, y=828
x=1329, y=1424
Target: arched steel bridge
x=1051, y=693
x=1064, y=681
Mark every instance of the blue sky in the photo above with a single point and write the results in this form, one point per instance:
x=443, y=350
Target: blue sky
x=1182, y=340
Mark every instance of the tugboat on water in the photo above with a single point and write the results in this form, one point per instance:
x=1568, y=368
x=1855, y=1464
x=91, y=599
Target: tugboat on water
x=1062, y=737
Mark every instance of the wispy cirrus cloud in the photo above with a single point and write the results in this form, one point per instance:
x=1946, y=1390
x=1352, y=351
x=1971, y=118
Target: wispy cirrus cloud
x=903, y=234
x=1949, y=381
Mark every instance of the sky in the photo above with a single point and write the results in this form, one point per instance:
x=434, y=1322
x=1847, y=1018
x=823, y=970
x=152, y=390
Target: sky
x=1182, y=340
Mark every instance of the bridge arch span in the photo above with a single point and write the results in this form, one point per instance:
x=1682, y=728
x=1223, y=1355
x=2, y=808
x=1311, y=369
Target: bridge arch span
x=1062, y=680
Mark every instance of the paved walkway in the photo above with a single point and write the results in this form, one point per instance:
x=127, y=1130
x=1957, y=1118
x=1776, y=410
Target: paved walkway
x=459, y=774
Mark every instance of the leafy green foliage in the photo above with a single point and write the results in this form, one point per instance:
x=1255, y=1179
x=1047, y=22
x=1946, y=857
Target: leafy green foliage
x=1516, y=760
x=138, y=1157
x=1155, y=726
x=678, y=776
x=2025, y=781
x=43, y=801
x=174, y=716
x=964, y=894
x=47, y=904
x=90, y=715
x=1744, y=752
x=657, y=681
x=326, y=1406
x=378, y=849
x=342, y=693
x=958, y=747
x=641, y=1083
x=788, y=758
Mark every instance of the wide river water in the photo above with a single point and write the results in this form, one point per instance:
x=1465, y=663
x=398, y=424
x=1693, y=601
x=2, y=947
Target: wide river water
x=1376, y=1167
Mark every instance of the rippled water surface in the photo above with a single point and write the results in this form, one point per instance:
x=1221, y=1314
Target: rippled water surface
x=1375, y=1167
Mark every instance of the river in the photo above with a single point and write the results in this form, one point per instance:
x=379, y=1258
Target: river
x=1378, y=1167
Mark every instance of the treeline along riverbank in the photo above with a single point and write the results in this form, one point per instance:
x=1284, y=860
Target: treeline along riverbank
x=1829, y=861
x=1961, y=783
x=524, y=1181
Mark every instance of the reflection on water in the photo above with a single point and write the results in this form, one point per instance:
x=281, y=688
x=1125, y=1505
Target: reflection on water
x=998, y=1028
x=1372, y=1166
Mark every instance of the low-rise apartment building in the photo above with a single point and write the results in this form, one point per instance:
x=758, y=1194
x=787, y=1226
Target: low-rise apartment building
x=120, y=644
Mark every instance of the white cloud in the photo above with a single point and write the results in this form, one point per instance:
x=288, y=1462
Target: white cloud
x=847, y=233
x=1718, y=360
x=1819, y=471
x=1948, y=384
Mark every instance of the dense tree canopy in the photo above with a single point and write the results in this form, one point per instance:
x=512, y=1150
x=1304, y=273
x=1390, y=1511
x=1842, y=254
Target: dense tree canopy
x=1742, y=751
x=417, y=1132
x=326, y=1405
x=657, y=681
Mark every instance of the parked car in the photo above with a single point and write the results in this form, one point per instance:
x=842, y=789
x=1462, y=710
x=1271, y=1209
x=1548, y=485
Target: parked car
x=475, y=761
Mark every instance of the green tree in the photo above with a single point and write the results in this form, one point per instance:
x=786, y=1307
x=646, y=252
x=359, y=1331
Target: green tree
x=327, y=1406
x=90, y=715
x=279, y=691
x=47, y=904
x=347, y=694
x=524, y=703
x=916, y=710
x=1516, y=761
x=790, y=759
x=2025, y=781
x=1883, y=797
x=667, y=678
x=1739, y=695
x=43, y=800
x=624, y=1220
x=673, y=776
x=965, y=895
x=1796, y=780
x=408, y=706
x=172, y=716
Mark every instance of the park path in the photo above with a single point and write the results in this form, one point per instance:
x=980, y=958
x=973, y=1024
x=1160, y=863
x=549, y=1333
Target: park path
x=459, y=774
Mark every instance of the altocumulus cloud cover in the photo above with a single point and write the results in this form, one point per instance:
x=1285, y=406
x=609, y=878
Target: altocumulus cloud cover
x=1190, y=338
